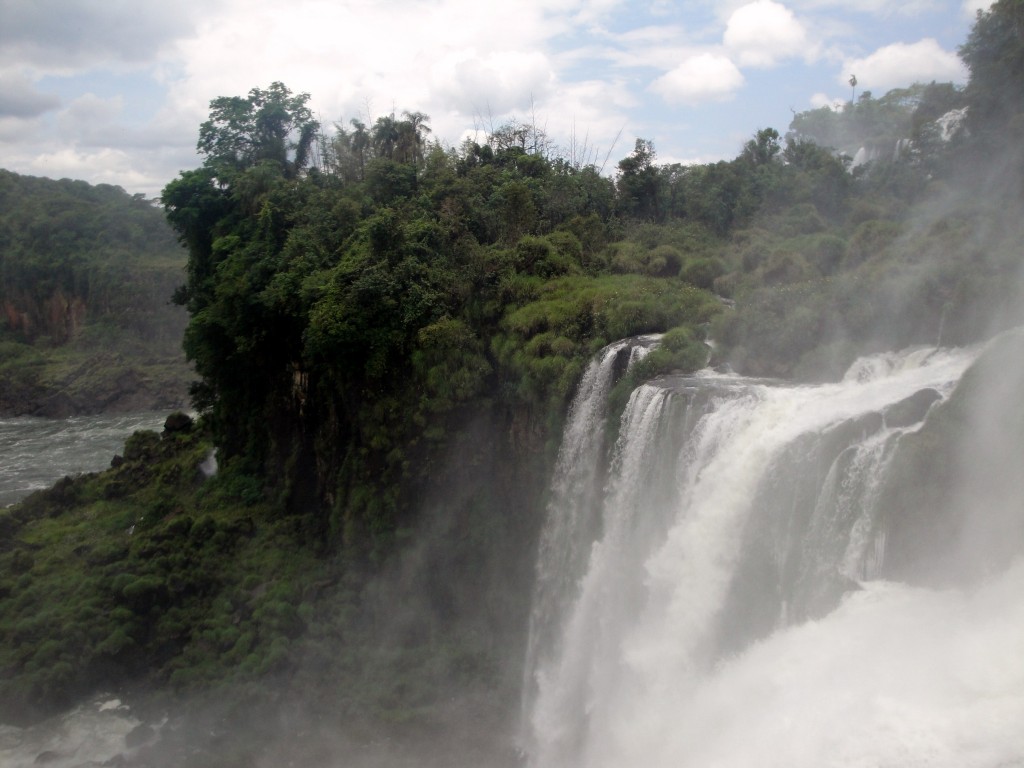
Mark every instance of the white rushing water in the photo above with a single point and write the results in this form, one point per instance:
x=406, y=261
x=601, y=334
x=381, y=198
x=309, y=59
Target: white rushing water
x=92, y=734
x=572, y=521
x=717, y=622
x=36, y=452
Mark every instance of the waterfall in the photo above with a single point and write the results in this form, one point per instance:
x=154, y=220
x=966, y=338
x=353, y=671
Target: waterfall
x=724, y=605
x=572, y=522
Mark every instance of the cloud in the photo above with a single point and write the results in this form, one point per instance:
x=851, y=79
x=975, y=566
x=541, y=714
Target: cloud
x=19, y=97
x=55, y=37
x=102, y=166
x=763, y=33
x=501, y=82
x=578, y=66
x=587, y=118
x=16, y=133
x=819, y=100
x=882, y=8
x=704, y=77
x=902, y=64
x=659, y=47
x=452, y=59
x=90, y=120
x=971, y=7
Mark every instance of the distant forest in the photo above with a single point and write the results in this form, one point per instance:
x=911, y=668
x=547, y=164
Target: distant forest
x=86, y=279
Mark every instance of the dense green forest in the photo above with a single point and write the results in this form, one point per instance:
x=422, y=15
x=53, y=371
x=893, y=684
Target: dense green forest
x=387, y=332
x=85, y=280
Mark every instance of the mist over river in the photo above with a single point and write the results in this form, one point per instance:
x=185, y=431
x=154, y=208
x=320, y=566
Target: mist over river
x=36, y=452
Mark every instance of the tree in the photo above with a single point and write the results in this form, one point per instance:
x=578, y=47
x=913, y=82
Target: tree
x=385, y=136
x=413, y=136
x=994, y=54
x=350, y=151
x=639, y=182
x=763, y=148
x=269, y=125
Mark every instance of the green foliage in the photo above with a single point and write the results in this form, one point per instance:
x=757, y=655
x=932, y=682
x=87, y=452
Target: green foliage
x=702, y=272
x=867, y=122
x=911, y=249
x=449, y=360
x=76, y=254
x=994, y=54
x=638, y=183
x=203, y=588
x=546, y=342
x=681, y=350
x=268, y=125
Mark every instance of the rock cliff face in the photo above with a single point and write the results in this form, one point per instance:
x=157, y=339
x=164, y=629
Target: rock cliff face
x=59, y=317
x=59, y=366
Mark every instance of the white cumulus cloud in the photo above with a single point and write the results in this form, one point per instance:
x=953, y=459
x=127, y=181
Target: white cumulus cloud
x=763, y=33
x=704, y=77
x=502, y=81
x=820, y=100
x=902, y=64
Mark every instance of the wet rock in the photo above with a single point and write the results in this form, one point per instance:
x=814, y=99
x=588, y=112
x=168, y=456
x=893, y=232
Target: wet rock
x=177, y=422
x=140, y=735
x=910, y=410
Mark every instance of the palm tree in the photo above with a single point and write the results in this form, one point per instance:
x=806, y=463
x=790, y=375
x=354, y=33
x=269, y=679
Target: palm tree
x=386, y=136
x=360, y=144
x=414, y=131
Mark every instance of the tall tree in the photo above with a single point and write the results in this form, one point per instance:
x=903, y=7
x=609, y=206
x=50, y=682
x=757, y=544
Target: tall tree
x=639, y=182
x=763, y=148
x=413, y=139
x=386, y=135
x=268, y=125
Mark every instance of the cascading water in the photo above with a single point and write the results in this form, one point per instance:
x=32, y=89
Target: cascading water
x=573, y=511
x=729, y=610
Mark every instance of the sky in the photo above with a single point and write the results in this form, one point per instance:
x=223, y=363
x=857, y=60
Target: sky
x=114, y=91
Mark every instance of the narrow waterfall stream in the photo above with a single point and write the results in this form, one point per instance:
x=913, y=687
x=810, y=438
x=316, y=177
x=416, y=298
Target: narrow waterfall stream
x=726, y=606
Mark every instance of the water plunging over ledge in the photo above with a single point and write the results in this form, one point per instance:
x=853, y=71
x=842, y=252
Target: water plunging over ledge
x=724, y=605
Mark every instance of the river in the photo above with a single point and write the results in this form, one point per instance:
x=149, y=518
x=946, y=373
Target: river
x=36, y=452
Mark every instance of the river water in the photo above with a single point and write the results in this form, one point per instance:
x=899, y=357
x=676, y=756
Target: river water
x=36, y=452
